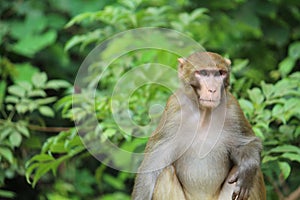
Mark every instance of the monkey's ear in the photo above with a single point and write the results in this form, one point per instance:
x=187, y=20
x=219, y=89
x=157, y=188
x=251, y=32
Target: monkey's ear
x=181, y=61
x=228, y=62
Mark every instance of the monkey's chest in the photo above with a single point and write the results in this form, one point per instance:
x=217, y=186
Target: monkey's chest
x=202, y=170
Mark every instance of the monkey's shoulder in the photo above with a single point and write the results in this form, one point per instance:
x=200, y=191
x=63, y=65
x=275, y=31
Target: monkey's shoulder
x=180, y=102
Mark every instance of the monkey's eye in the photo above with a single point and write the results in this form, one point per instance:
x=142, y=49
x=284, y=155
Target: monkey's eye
x=223, y=72
x=202, y=72
x=220, y=73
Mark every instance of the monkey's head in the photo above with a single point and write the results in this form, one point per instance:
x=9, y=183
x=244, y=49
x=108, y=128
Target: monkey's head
x=208, y=75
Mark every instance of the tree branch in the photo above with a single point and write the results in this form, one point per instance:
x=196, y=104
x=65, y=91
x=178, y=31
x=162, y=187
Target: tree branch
x=48, y=129
x=276, y=188
x=294, y=195
x=40, y=128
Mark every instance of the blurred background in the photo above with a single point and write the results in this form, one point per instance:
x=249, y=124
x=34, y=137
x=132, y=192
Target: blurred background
x=43, y=43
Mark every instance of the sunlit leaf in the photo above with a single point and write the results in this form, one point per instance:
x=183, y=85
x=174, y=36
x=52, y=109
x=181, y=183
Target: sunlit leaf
x=23, y=129
x=45, y=100
x=57, y=84
x=267, y=89
x=11, y=99
x=15, y=139
x=16, y=90
x=22, y=108
x=285, y=168
x=39, y=79
x=46, y=111
x=256, y=96
x=291, y=156
x=286, y=66
x=37, y=93
x=26, y=85
x=7, y=154
x=285, y=149
x=25, y=45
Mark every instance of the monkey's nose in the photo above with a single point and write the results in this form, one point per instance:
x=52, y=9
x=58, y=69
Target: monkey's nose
x=212, y=90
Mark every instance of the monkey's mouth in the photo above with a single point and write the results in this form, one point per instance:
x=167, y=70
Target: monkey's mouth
x=209, y=103
x=208, y=100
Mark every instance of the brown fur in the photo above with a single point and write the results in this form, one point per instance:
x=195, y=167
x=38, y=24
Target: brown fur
x=203, y=148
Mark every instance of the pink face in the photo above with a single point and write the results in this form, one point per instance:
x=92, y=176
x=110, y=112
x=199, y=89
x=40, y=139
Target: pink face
x=211, y=86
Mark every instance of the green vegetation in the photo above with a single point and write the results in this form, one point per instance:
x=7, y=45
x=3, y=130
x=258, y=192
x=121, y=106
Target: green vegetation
x=43, y=43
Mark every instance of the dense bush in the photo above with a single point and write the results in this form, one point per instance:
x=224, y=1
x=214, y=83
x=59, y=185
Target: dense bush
x=44, y=43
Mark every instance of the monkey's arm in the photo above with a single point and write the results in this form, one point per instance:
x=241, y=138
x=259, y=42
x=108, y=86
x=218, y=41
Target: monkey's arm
x=245, y=154
x=247, y=159
x=159, y=154
x=149, y=171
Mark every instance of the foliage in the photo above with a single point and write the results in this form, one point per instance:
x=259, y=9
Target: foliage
x=260, y=37
x=23, y=100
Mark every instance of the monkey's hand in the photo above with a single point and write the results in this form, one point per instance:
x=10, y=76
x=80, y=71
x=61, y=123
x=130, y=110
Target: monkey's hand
x=244, y=182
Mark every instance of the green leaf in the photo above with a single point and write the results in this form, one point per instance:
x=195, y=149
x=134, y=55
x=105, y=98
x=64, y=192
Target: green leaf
x=294, y=50
x=291, y=104
x=291, y=156
x=7, y=194
x=26, y=85
x=5, y=131
x=3, y=31
x=198, y=13
x=39, y=79
x=258, y=133
x=15, y=139
x=246, y=106
x=108, y=133
x=278, y=111
x=37, y=93
x=79, y=18
x=286, y=66
x=74, y=41
x=115, y=196
x=297, y=132
x=114, y=182
x=132, y=5
x=45, y=100
x=285, y=149
x=239, y=65
x=46, y=111
x=25, y=45
x=269, y=159
x=256, y=96
x=42, y=169
x=58, y=148
x=7, y=154
x=23, y=129
x=41, y=158
x=9, y=107
x=2, y=91
x=57, y=84
x=285, y=169
x=22, y=108
x=56, y=21
x=268, y=89
x=24, y=72
x=11, y=99
x=29, y=169
x=16, y=90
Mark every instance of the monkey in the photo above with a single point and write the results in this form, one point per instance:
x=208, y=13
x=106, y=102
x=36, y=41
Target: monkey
x=203, y=147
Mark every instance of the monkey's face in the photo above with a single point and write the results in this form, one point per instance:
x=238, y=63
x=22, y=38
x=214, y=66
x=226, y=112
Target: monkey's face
x=210, y=86
x=208, y=74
